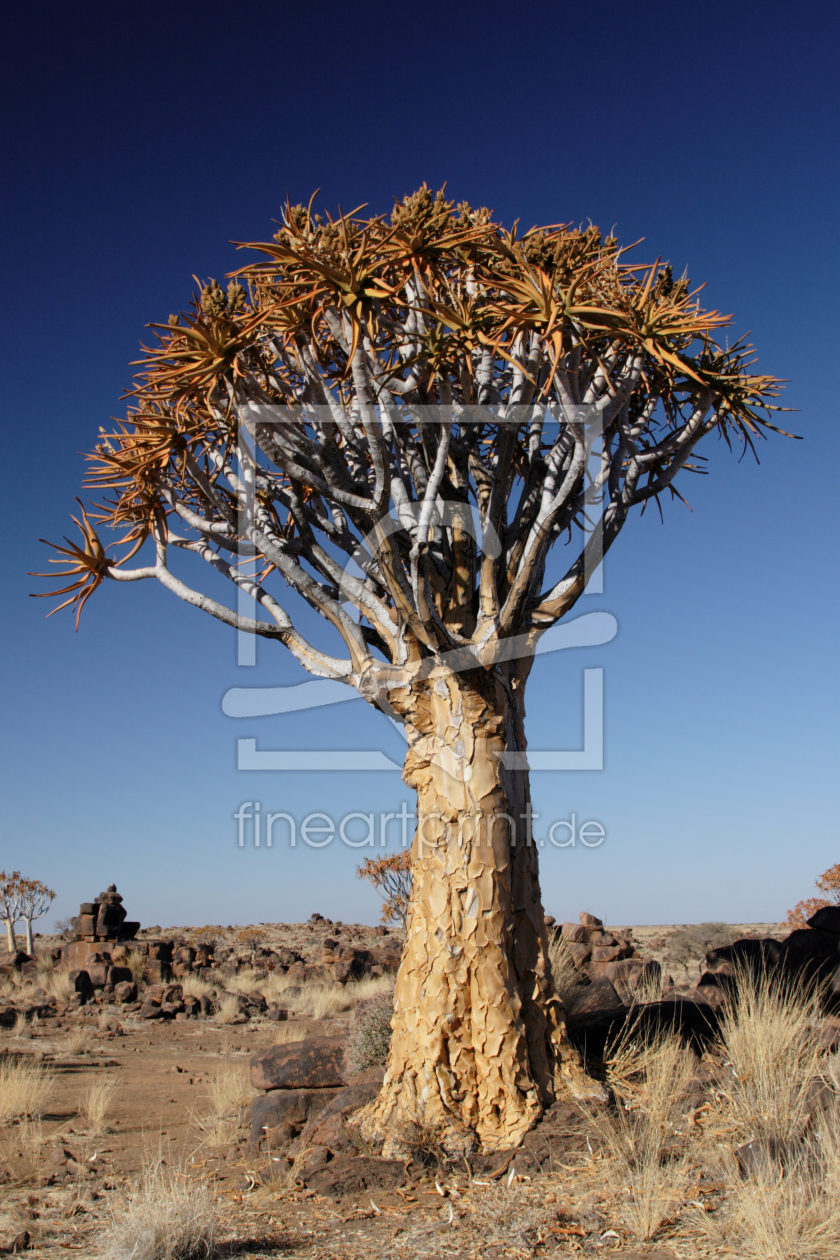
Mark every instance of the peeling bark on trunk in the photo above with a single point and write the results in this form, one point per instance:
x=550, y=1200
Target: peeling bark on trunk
x=479, y=1039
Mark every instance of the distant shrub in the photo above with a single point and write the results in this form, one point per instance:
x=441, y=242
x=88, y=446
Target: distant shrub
x=370, y=1035
x=692, y=941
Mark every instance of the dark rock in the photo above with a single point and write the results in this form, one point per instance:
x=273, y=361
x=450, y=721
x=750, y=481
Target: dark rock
x=13, y=961
x=80, y=983
x=314, y=1064
x=600, y=995
x=711, y=994
x=754, y=956
x=119, y=975
x=329, y=1127
x=575, y=933
x=695, y=1022
x=353, y=1174
x=559, y=1135
x=286, y=1111
x=371, y=1076
x=125, y=992
x=826, y=919
x=623, y=974
x=589, y=920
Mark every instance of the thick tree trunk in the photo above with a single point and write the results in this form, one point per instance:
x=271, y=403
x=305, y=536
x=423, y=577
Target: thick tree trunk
x=30, y=944
x=479, y=1041
x=10, y=935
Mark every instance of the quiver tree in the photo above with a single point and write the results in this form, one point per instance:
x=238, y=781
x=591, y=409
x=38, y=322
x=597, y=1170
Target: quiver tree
x=401, y=419
x=35, y=901
x=11, y=897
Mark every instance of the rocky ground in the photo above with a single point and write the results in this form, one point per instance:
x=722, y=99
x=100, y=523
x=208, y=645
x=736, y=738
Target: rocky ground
x=177, y=1085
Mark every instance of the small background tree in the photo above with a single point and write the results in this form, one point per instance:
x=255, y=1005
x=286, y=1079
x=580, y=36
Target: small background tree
x=828, y=883
x=391, y=877
x=35, y=901
x=253, y=938
x=11, y=894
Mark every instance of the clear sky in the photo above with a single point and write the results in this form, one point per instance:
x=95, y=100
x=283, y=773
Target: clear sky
x=139, y=141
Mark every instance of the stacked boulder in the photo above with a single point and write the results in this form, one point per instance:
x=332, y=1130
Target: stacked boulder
x=99, y=923
x=611, y=964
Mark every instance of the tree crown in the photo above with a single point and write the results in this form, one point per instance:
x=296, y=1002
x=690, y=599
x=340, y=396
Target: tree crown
x=401, y=416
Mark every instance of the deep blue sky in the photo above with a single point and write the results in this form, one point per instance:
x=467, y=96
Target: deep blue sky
x=140, y=140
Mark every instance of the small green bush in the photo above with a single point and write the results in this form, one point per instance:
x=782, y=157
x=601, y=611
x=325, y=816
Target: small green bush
x=370, y=1035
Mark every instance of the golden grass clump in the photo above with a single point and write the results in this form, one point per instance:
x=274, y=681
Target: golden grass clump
x=770, y=1036
x=245, y=982
x=57, y=985
x=135, y=960
x=322, y=1000
x=96, y=1104
x=368, y=987
x=645, y=1141
x=76, y=1041
x=25, y=1088
x=274, y=985
x=20, y=1153
x=195, y=986
x=227, y=1009
x=168, y=1217
x=229, y=1093
x=297, y=1030
x=564, y=971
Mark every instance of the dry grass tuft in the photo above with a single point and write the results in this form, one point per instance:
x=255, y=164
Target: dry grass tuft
x=229, y=1093
x=76, y=1041
x=564, y=972
x=96, y=1104
x=369, y=1039
x=646, y=1165
x=245, y=982
x=20, y=1151
x=169, y=1217
x=227, y=1009
x=770, y=1034
x=297, y=1030
x=57, y=985
x=322, y=1000
x=274, y=985
x=21, y=1023
x=368, y=987
x=25, y=1087
x=195, y=986
x=136, y=963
